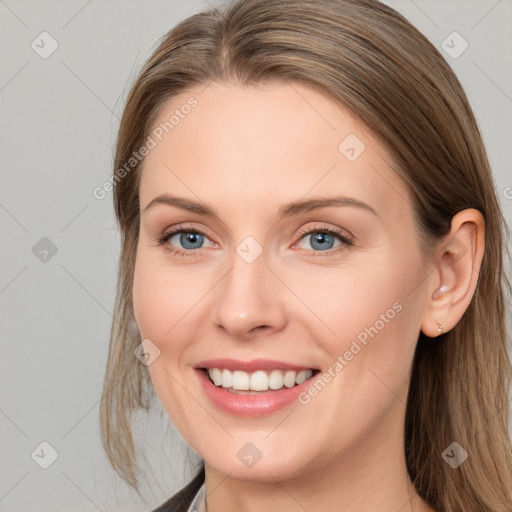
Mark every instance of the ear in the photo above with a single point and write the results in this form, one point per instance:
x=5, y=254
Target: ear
x=453, y=280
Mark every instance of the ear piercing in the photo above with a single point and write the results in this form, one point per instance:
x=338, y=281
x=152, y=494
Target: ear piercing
x=443, y=289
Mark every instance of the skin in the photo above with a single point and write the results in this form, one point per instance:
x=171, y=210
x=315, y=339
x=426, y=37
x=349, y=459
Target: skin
x=246, y=151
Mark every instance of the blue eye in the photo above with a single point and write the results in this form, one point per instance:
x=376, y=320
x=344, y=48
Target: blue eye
x=188, y=239
x=321, y=241
x=184, y=241
x=324, y=239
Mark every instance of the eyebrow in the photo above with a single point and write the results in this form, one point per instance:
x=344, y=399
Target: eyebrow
x=287, y=210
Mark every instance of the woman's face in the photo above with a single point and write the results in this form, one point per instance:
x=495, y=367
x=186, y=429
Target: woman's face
x=302, y=256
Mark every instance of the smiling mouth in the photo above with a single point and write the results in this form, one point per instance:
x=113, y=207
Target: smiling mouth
x=249, y=383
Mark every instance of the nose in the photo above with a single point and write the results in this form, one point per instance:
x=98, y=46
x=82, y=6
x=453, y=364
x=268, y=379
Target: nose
x=248, y=302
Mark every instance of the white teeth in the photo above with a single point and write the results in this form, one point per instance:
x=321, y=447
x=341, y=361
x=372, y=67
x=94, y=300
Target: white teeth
x=289, y=378
x=302, y=376
x=227, y=378
x=216, y=376
x=258, y=381
x=240, y=380
x=275, y=379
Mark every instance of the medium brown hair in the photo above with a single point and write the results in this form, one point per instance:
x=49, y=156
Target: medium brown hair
x=369, y=59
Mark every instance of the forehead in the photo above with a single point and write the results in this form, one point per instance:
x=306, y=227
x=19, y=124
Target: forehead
x=261, y=146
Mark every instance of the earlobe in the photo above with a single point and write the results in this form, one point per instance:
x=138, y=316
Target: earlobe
x=455, y=275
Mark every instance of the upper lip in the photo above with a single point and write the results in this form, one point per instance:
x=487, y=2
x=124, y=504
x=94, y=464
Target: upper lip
x=250, y=366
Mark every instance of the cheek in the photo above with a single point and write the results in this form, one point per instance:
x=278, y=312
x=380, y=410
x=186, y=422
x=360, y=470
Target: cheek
x=345, y=300
x=163, y=297
x=367, y=318
x=151, y=300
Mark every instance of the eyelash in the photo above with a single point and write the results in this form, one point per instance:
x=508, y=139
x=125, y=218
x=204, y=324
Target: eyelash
x=346, y=242
x=337, y=233
x=180, y=252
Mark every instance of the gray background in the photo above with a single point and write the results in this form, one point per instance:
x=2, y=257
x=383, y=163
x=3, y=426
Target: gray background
x=59, y=118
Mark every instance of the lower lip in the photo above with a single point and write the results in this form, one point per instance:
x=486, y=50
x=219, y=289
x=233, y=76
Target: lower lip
x=250, y=405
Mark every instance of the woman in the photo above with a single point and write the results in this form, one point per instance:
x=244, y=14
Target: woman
x=312, y=259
